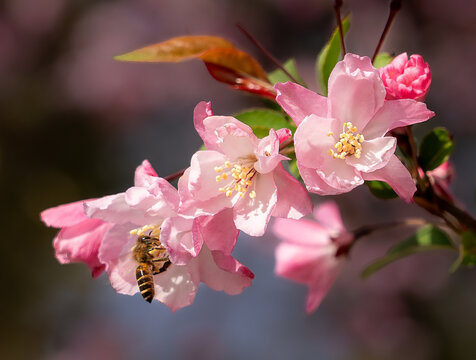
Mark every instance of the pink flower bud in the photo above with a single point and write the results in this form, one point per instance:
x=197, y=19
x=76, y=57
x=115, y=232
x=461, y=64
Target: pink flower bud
x=406, y=79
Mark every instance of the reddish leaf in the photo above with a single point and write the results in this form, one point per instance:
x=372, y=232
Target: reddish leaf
x=238, y=82
x=176, y=49
x=235, y=60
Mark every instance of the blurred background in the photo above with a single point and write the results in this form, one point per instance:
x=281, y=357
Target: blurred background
x=74, y=124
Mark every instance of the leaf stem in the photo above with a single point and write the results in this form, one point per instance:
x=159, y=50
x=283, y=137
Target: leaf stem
x=267, y=53
x=395, y=6
x=365, y=230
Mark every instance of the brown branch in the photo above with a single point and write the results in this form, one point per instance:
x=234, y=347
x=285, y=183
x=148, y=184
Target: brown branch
x=337, y=7
x=395, y=6
x=266, y=53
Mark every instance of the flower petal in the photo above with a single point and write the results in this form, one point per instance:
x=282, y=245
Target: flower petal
x=145, y=175
x=175, y=287
x=177, y=236
x=65, y=215
x=312, y=141
x=192, y=207
x=268, y=154
x=218, y=231
x=397, y=176
x=202, y=182
x=328, y=215
x=252, y=215
x=394, y=114
x=202, y=111
x=293, y=200
x=115, y=252
x=315, y=183
x=115, y=209
x=299, y=102
x=80, y=243
x=301, y=232
x=222, y=272
x=356, y=91
x=375, y=154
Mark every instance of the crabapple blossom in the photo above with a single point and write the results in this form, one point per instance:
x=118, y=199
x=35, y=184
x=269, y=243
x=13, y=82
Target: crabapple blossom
x=238, y=171
x=79, y=237
x=340, y=140
x=150, y=209
x=405, y=78
x=308, y=251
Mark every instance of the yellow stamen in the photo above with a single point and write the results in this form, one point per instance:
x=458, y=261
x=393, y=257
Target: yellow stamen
x=350, y=143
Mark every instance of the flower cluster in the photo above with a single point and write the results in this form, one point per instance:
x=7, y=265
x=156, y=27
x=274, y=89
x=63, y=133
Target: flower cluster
x=162, y=241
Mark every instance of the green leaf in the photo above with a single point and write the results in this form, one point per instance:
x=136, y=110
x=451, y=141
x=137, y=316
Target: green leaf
x=261, y=120
x=278, y=75
x=467, y=251
x=382, y=59
x=329, y=55
x=435, y=148
x=381, y=189
x=426, y=238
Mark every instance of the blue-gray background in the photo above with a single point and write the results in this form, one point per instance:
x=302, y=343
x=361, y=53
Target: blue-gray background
x=75, y=124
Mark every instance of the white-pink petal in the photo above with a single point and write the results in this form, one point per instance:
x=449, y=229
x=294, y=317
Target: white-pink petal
x=222, y=272
x=293, y=200
x=397, y=176
x=218, y=231
x=252, y=215
x=356, y=91
x=299, y=102
x=394, y=114
x=65, y=215
x=268, y=154
x=375, y=154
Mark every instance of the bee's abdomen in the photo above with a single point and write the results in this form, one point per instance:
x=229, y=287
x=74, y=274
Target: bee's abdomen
x=145, y=281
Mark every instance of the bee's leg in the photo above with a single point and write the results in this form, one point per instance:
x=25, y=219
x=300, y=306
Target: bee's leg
x=160, y=266
x=165, y=266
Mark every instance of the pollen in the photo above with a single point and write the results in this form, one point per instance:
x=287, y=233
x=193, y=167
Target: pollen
x=350, y=143
x=240, y=175
x=150, y=230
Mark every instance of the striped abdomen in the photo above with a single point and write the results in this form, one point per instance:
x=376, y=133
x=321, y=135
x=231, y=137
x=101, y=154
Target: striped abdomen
x=145, y=281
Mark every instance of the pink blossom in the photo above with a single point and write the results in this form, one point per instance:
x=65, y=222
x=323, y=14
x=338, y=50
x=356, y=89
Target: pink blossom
x=340, y=140
x=240, y=172
x=150, y=209
x=441, y=178
x=406, y=79
x=307, y=253
x=79, y=237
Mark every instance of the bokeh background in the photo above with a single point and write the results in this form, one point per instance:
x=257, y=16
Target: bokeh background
x=74, y=124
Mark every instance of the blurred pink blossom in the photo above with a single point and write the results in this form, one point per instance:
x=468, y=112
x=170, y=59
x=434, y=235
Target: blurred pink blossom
x=340, y=140
x=241, y=172
x=79, y=238
x=441, y=178
x=406, y=78
x=308, y=251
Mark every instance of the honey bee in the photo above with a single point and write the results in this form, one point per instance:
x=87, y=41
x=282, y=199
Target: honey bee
x=153, y=259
